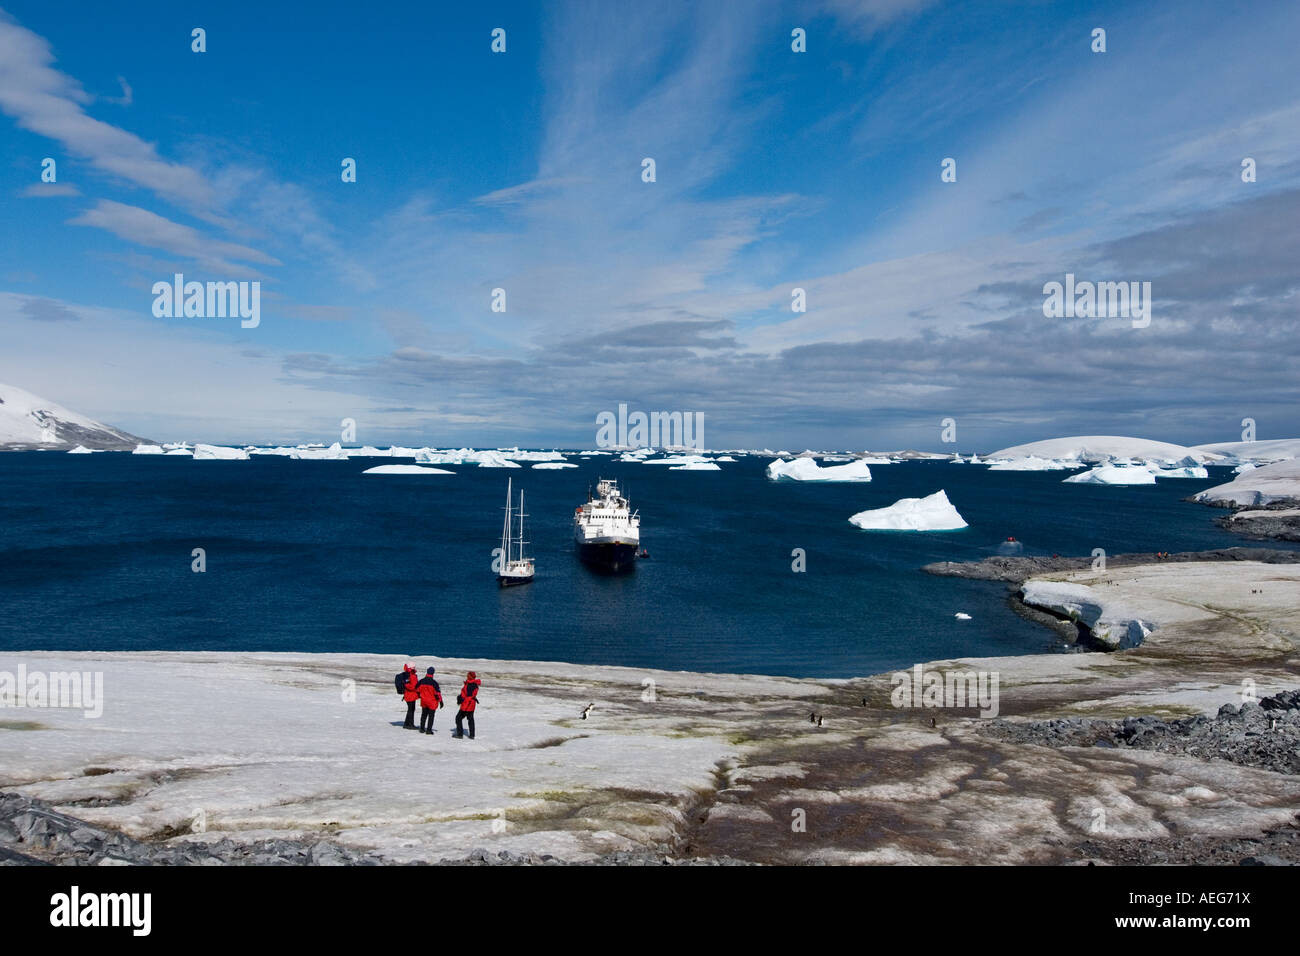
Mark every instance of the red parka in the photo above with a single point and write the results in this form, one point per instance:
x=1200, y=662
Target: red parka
x=469, y=693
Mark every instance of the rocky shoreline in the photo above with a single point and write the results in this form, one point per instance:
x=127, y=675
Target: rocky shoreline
x=1016, y=569
x=1279, y=521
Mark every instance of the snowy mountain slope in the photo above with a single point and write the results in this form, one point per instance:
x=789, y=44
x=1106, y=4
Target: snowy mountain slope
x=29, y=421
x=1093, y=448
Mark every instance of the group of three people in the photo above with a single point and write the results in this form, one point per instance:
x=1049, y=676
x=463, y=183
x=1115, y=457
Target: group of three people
x=429, y=694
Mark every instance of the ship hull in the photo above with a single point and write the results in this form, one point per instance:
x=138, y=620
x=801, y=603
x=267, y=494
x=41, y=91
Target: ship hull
x=608, y=555
x=512, y=580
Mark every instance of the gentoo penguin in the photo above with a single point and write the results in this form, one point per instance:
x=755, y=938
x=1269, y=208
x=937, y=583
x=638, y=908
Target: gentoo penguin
x=587, y=710
x=819, y=721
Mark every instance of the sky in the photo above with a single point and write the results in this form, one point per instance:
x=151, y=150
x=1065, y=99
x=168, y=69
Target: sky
x=774, y=170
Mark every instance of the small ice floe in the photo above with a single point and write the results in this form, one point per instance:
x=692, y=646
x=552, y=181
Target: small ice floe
x=962, y=616
x=552, y=465
x=80, y=450
x=406, y=470
x=695, y=466
x=932, y=513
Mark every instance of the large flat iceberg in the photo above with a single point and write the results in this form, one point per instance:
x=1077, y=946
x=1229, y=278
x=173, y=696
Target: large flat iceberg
x=932, y=513
x=406, y=470
x=805, y=469
x=219, y=452
x=1114, y=475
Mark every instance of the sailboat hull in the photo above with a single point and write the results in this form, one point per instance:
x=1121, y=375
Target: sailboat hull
x=512, y=580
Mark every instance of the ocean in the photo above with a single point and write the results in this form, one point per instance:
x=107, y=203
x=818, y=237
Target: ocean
x=96, y=553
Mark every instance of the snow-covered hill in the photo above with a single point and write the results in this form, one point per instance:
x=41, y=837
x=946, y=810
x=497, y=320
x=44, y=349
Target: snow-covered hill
x=1268, y=449
x=29, y=421
x=1095, y=448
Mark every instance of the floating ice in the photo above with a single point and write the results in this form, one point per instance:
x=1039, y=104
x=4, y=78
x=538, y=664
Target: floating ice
x=695, y=466
x=805, y=469
x=932, y=513
x=406, y=470
x=216, y=452
x=551, y=465
x=962, y=616
x=148, y=450
x=1032, y=463
x=1114, y=475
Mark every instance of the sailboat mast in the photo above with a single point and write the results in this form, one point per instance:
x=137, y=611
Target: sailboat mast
x=505, y=531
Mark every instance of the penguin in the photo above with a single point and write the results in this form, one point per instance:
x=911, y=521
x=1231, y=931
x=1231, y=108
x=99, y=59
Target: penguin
x=812, y=718
x=819, y=721
x=864, y=702
x=587, y=710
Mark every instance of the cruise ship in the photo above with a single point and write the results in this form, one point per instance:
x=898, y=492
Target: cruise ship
x=606, y=531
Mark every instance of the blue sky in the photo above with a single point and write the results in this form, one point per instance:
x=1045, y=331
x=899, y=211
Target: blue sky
x=775, y=170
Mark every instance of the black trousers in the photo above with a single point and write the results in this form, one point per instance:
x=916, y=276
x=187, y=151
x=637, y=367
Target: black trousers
x=465, y=715
x=410, y=714
x=426, y=717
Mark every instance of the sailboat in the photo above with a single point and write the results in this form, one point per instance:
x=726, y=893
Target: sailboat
x=515, y=568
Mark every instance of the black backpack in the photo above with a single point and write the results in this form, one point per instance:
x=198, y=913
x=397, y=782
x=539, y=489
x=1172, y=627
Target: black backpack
x=400, y=681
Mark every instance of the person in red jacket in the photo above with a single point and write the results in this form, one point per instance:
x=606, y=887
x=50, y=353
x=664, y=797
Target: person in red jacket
x=468, y=700
x=410, y=695
x=430, y=700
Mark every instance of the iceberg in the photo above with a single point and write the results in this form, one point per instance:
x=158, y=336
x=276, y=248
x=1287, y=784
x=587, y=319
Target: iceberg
x=314, y=452
x=406, y=470
x=148, y=450
x=695, y=466
x=219, y=452
x=494, y=459
x=1032, y=463
x=962, y=616
x=932, y=513
x=1194, y=471
x=1114, y=475
x=551, y=465
x=367, y=451
x=677, y=460
x=805, y=469
x=80, y=450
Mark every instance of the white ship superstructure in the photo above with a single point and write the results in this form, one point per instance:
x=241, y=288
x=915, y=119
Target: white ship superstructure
x=606, y=531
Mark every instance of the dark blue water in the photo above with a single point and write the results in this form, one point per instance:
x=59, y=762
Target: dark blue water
x=95, y=553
